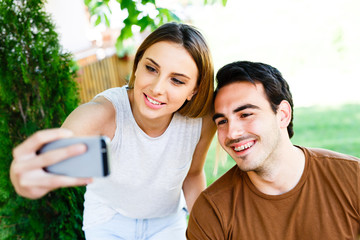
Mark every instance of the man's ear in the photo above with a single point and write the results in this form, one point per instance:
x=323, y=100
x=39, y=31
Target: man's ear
x=284, y=113
x=192, y=94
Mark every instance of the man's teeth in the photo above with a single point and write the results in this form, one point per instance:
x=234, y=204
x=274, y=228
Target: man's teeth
x=242, y=147
x=153, y=101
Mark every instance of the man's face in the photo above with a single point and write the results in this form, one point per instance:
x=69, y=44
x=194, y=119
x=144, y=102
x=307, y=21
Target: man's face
x=248, y=129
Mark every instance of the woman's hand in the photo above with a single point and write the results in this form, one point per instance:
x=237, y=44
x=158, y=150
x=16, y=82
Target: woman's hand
x=26, y=170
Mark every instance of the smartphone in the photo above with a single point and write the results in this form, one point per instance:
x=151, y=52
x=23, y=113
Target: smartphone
x=93, y=163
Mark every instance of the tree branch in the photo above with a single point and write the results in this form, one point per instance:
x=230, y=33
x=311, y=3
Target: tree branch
x=22, y=112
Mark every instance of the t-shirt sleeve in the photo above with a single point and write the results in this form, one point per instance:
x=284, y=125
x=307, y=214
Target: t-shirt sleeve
x=205, y=221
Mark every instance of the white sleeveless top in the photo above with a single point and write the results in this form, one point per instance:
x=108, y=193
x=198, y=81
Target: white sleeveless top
x=146, y=173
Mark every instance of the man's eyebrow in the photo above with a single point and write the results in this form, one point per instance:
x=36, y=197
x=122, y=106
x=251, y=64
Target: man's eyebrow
x=157, y=65
x=246, y=106
x=238, y=109
x=217, y=115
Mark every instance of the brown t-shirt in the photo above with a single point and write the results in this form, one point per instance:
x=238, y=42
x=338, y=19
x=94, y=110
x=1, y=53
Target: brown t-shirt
x=323, y=205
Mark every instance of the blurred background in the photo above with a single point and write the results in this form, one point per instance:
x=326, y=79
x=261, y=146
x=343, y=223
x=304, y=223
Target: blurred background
x=315, y=44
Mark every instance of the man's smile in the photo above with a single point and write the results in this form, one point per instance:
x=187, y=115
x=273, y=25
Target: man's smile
x=242, y=147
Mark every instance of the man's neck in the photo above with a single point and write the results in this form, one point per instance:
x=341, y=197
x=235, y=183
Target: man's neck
x=283, y=175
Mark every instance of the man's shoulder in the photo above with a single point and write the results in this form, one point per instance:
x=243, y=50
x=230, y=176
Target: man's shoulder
x=320, y=153
x=332, y=163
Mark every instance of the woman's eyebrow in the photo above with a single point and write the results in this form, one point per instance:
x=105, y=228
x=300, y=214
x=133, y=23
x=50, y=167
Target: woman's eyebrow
x=157, y=65
x=181, y=75
x=153, y=61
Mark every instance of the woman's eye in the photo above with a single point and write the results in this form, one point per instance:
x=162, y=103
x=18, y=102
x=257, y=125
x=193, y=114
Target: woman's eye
x=177, y=81
x=150, y=69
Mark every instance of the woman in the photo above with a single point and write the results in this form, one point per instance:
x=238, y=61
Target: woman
x=161, y=129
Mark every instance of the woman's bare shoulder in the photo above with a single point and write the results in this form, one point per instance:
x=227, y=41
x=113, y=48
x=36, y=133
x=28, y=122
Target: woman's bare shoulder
x=96, y=117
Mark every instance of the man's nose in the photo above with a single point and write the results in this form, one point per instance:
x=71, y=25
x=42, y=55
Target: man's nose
x=235, y=129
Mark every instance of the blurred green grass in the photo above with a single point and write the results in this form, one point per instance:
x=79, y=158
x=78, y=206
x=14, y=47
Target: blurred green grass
x=336, y=128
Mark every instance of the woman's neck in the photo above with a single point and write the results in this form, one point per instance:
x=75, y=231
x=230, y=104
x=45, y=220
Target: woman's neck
x=152, y=127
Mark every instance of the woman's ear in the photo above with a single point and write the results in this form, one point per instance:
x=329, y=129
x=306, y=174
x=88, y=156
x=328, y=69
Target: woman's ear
x=192, y=94
x=284, y=113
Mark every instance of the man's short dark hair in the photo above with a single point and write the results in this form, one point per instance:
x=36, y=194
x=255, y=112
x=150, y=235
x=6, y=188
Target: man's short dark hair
x=276, y=87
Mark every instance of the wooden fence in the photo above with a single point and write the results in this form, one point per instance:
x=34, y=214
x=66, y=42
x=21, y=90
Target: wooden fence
x=97, y=76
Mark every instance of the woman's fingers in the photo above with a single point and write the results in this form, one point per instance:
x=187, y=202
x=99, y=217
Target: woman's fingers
x=49, y=158
x=37, y=140
x=26, y=170
x=36, y=184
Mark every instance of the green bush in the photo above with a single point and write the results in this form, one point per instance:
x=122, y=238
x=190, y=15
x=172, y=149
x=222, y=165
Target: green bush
x=37, y=91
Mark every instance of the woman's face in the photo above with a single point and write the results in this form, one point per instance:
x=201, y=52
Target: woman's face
x=165, y=78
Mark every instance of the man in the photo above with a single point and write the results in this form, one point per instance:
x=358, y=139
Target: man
x=276, y=190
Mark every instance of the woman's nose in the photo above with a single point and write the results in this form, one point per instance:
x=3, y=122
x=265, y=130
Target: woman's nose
x=159, y=86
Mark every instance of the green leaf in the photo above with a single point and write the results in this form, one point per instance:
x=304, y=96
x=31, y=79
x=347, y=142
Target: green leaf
x=87, y=2
x=170, y=16
x=98, y=20
x=108, y=8
x=107, y=22
x=98, y=4
x=144, y=22
x=126, y=32
x=128, y=4
x=143, y=2
x=174, y=17
x=120, y=49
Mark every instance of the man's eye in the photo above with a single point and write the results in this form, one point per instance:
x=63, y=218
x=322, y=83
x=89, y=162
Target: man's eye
x=150, y=69
x=245, y=115
x=177, y=81
x=221, y=122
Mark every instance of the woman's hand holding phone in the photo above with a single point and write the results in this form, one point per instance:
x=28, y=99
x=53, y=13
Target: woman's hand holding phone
x=27, y=172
